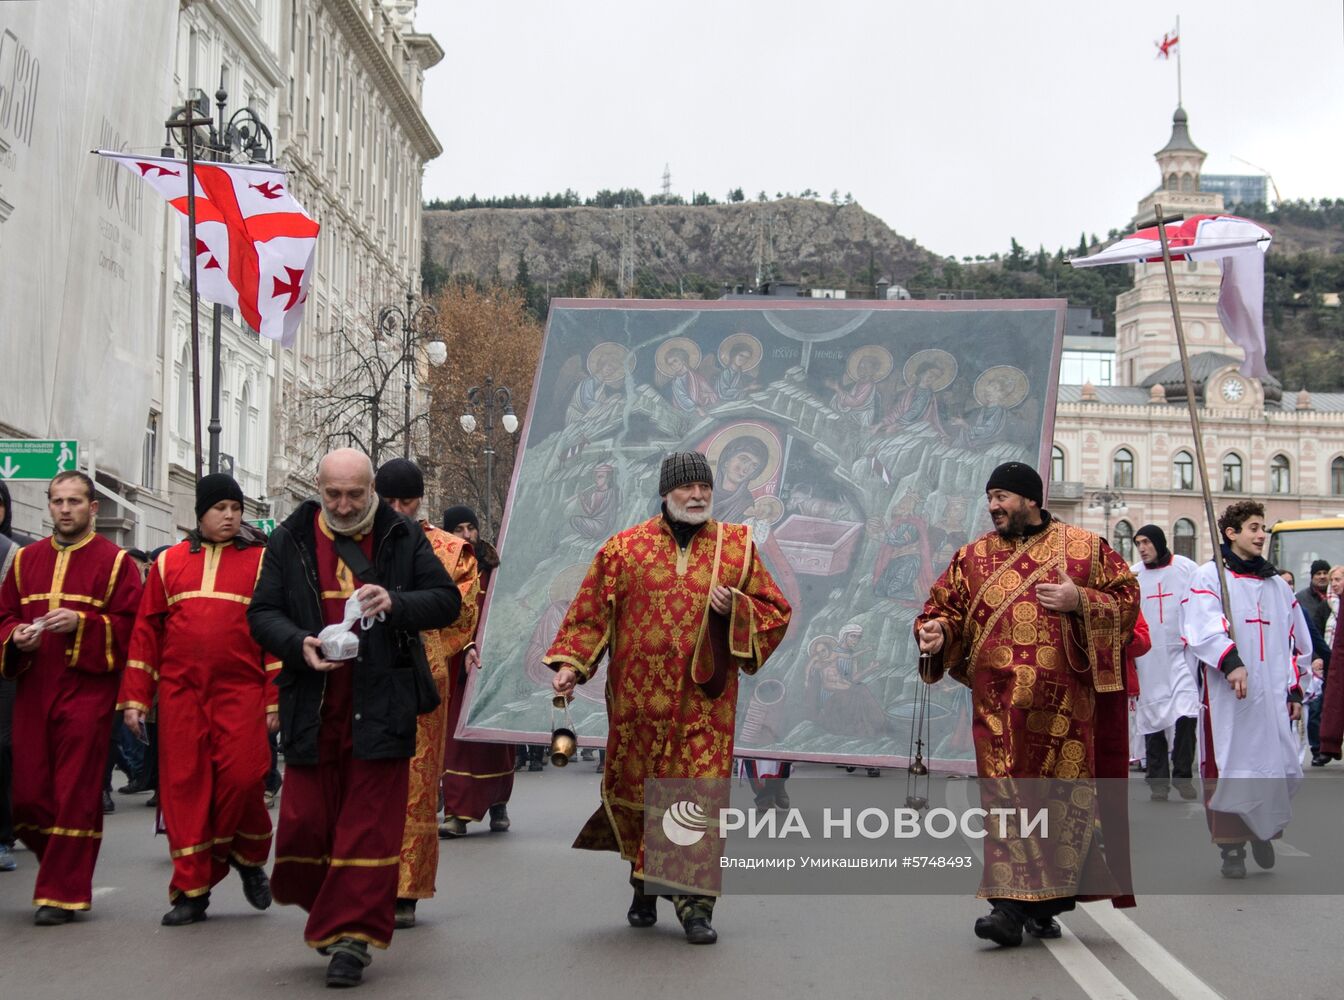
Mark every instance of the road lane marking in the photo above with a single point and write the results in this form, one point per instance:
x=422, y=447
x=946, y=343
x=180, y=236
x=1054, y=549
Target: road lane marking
x=1161, y=964
x=1085, y=968
x=105, y=890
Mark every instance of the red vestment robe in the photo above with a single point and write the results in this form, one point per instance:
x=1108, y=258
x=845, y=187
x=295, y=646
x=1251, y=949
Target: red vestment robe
x=1049, y=703
x=645, y=603
x=338, y=842
x=192, y=649
x=63, y=703
x=476, y=775
x=420, y=841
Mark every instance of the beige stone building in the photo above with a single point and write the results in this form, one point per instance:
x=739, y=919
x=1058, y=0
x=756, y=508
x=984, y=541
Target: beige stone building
x=1133, y=437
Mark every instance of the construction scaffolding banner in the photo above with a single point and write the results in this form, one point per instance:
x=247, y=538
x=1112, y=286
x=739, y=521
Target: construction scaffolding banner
x=855, y=438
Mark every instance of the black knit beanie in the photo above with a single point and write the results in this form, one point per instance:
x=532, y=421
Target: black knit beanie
x=399, y=479
x=213, y=488
x=1019, y=478
x=460, y=514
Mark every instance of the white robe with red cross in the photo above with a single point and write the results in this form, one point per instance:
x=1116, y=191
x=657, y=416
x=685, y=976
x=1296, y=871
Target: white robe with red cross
x=1167, y=688
x=1253, y=749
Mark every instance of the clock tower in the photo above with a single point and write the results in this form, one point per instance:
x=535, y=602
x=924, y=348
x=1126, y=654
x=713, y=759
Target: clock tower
x=1145, y=334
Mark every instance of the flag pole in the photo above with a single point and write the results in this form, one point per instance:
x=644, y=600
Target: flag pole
x=1193, y=407
x=1179, y=102
x=189, y=142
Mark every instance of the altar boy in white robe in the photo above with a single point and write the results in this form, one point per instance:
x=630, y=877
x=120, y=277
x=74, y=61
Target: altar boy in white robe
x=1251, y=692
x=1168, y=695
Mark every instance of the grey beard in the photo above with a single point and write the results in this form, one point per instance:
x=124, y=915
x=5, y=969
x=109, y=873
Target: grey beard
x=680, y=513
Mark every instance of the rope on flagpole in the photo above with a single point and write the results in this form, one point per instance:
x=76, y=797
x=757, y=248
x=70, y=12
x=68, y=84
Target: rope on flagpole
x=1193, y=408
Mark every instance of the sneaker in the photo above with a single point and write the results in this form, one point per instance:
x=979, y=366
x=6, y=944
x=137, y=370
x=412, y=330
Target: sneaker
x=452, y=828
x=269, y=799
x=1158, y=794
x=499, y=817
x=7, y=862
x=1234, y=860
x=405, y=918
x=1263, y=852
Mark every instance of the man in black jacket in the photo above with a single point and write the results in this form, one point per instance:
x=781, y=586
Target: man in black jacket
x=348, y=725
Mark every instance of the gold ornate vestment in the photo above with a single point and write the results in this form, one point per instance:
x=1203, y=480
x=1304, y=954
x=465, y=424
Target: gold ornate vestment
x=1045, y=688
x=645, y=603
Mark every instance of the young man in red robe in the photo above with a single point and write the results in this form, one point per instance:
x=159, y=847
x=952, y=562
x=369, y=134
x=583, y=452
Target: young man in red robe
x=682, y=604
x=347, y=715
x=66, y=612
x=191, y=647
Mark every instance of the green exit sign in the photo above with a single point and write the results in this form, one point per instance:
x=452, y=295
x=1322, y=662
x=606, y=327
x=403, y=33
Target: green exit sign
x=265, y=525
x=31, y=459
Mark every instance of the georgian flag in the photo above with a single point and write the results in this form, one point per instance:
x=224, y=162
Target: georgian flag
x=1239, y=245
x=254, y=243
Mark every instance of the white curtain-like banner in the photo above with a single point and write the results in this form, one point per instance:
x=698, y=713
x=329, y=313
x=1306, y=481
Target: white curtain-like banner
x=81, y=241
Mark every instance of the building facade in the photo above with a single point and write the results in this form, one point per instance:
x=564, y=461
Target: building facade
x=1133, y=437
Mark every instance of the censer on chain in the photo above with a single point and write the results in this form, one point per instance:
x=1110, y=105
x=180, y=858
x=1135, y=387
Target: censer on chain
x=920, y=741
x=564, y=743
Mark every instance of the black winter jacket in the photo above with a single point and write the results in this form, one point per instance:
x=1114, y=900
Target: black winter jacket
x=287, y=607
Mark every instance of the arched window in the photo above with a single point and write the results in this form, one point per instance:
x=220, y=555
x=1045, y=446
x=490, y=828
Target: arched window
x=1124, y=540
x=1231, y=473
x=1280, y=475
x=1337, y=478
x=1057, y=464
x=1187, y=182
x=244, y=411
x=1183, y=471
x=1173, y=182
x=184, y=393
x=1183, y=538
x=1122, y=469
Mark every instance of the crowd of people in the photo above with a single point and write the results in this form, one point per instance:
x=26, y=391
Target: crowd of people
x=347, y=636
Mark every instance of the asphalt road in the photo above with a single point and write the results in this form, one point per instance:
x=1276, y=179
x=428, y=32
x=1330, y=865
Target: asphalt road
x=521, y=915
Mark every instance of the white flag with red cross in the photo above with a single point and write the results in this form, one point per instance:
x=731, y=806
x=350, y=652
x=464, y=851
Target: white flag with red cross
x=254, y=243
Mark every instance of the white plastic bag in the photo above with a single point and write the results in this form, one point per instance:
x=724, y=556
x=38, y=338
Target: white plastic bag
x=339, y=642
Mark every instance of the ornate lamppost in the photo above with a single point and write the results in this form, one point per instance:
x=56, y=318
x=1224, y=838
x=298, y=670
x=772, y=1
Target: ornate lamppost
x=412, y=322
x=1107, y=501
x=485, y=400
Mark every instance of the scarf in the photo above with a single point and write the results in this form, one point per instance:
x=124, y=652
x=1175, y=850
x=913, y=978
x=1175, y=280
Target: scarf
x=364, y=524
x=1247, y=567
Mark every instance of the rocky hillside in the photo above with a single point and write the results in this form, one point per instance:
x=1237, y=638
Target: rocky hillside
x=677, y=248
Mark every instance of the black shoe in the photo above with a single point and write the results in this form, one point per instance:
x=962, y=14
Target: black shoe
x=1234, y=860
x=133, y=787
x=534, y=765
x=1158, y=794
x=874, y=772
x=405, y=918
x=1320, y=759
x=643, y=911
x=499, y=817
x=256, y=886
x=153, y=800
x=1047, y=928
x=108, y=805
x=187, y=910
x=52, y=916
x=344, y=970
x=698, y=931
x=1263, y=852
x=1187, y=790
x=1001, y=927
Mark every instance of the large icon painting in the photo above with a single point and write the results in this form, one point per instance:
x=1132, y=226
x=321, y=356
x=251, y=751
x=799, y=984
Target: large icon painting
x=854, y=437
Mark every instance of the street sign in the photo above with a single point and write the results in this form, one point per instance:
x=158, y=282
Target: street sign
x=25, y=458
x=265, y=524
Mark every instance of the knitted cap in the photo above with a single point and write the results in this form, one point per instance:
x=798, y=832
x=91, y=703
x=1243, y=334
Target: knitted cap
x=462, y=514
x=399, y=479
x=1319, y=566
x=681, y=468
x=1019, y=478
x=213, y=488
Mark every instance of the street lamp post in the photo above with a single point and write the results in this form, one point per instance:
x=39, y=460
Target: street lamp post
x=242, y=137
x=484, y=400
x=412, y=319
x=1108, y=502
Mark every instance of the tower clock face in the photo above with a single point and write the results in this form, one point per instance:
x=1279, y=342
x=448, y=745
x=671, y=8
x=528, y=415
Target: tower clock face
x=1234, y=389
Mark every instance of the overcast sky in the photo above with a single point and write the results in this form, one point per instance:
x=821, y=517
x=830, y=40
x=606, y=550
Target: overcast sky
x=961, y=124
